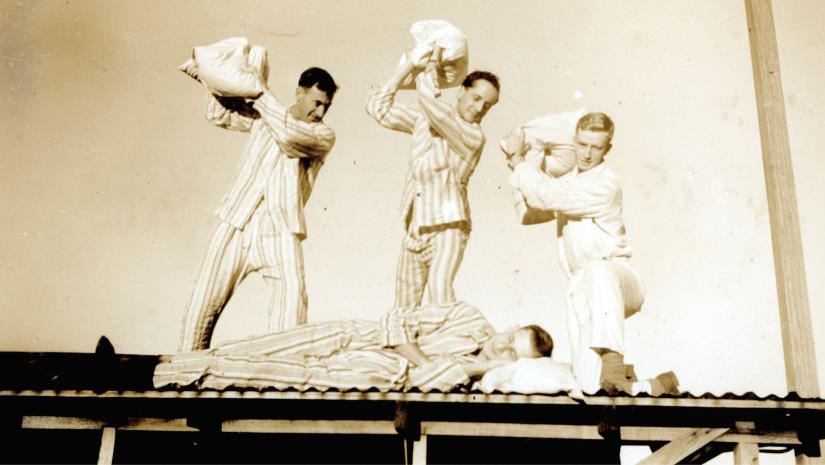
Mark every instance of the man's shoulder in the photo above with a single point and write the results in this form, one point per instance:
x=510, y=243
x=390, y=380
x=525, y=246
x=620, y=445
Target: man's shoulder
x=606, y=175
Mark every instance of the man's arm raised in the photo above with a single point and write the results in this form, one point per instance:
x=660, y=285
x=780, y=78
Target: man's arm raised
x=465, y=139
x=382, y=107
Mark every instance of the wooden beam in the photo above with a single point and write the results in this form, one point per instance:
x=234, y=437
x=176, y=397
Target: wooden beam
x=309, y=426
x=681, y=447
x=157, y=424
x=107, y=446
x=50, y=422
x=789, y=264
x=513, y=430
x=746, y=454
x=419, y=453
x=741, y=434
x=589, y=432
x=743, y=453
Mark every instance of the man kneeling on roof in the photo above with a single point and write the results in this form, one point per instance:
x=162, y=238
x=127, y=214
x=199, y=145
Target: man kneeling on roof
x=428, y=348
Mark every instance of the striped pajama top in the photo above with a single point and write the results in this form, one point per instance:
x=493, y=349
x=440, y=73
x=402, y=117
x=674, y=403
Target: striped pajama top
x=281, y=162
x=444, y=153
x=349, y=354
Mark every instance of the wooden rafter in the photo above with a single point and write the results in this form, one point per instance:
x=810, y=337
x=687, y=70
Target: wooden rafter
x=683, y=446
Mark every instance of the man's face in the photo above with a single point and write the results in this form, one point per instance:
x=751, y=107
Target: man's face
x=509, y=346
x=310, y=104
x=591, y=147
x=474, y=101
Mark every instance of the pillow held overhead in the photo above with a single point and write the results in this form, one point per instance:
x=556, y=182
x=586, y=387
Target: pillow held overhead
x=229, y=68
x=454, y=56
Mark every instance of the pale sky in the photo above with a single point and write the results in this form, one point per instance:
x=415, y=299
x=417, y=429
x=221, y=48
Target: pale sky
x=109, y=172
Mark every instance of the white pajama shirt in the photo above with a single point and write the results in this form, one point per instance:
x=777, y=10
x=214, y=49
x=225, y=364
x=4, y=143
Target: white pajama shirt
x=603, y=288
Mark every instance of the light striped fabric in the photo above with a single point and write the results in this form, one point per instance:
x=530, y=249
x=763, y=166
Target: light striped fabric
x=232, y=255
x=262, y=218
x=430, y=260
x=343, y=355
x=444, y=153
x=285, y=181
x=603, y=288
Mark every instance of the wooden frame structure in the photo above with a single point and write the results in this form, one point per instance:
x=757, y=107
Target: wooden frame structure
x=680, y=428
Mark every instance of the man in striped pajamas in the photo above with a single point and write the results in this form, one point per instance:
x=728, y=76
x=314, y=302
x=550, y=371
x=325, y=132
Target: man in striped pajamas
x=435, y=347
x=262, y=216
x=446, y=146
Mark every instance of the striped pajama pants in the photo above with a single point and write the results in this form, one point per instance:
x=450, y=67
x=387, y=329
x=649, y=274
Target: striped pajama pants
x=429, y=260
x=334, y=354
x=232, y=255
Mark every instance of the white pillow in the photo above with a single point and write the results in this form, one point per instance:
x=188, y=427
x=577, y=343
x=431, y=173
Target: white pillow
x=541, y=375
x=550, y=136
x=453, y=43
x=229, y=68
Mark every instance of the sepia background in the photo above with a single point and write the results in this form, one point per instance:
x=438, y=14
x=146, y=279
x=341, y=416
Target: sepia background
x=109, y=172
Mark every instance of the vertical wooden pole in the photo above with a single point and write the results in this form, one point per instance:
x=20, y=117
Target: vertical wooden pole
x=107, y=446
x=746, y=453
x=419, y=452
x=794, y=312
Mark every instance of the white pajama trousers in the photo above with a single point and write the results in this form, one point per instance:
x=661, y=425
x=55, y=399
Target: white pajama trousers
x=430, y=261
x=234, y=253
x=600, y=297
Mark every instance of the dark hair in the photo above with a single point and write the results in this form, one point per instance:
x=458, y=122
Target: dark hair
x=541, y=339
x=486, y=75
x=318, y=77
x=596, y=122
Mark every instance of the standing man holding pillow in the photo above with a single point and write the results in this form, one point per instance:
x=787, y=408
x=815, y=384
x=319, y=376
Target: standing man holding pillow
x=447, y=142
x=262, y=216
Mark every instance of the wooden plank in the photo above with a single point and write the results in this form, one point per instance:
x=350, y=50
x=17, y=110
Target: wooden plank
x=789, y=264
x=52, y=422
x=309, y=426
x=157, y=424
x=589, y=432
x=433, y=428
x=107, y=446
x=683, y=446
x=517, y=430
x=419, y=453
x=746, y=454
x=743, y=453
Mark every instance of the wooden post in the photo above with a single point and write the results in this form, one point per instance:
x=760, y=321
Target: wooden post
x=789, y=264
x=107, y=446
x=419, y=452
x=746, y=453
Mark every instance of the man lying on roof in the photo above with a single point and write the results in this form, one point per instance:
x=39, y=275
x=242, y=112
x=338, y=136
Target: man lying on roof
x=429, y=348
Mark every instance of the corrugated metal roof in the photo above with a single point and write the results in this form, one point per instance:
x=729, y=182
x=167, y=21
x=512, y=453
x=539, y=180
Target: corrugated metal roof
x=686, y=400
x=81, y=374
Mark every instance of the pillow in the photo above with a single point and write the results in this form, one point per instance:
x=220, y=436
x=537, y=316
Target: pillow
x=550, y=135
x=454, y=55
x=229, y=68
x=541, y=375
